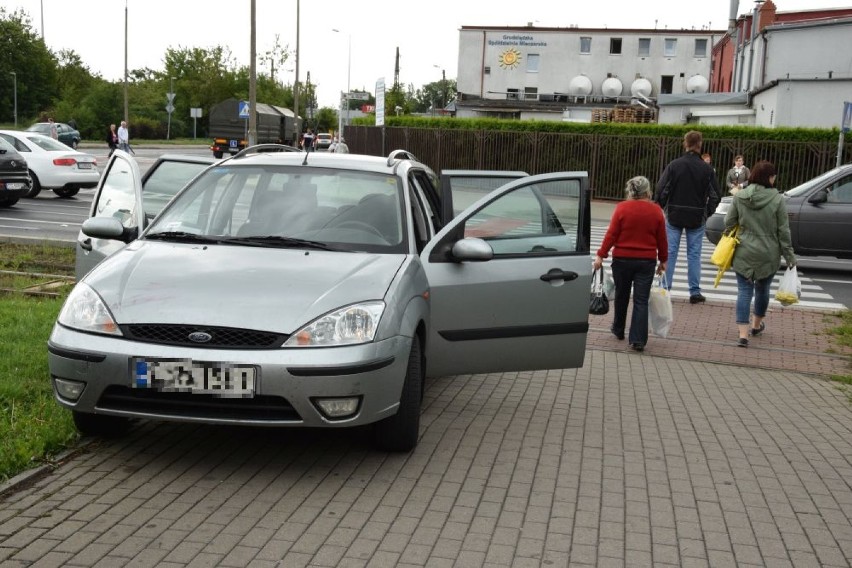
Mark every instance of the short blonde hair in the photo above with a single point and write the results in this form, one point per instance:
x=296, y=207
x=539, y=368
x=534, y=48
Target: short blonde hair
x=638, y=187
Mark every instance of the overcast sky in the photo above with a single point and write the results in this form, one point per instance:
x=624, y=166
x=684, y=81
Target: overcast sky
x=426, y=33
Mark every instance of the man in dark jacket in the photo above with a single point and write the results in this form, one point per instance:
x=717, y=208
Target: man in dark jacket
x=689, y=193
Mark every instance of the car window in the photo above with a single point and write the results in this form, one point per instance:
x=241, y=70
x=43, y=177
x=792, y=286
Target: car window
x=14, y=143
x=6, y=145
x=841, y=191
x=117, y=197
x=347, y=209
x=810, y=184
x=538, y=218
x=48, y=144
x=164, y=181
x=468, y=189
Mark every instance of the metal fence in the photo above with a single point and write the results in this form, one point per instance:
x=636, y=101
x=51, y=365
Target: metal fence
x=609, y=160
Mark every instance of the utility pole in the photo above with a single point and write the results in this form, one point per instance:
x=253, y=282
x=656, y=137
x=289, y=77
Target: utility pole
x=126, y=111
x=296, y=85
x=252, y=121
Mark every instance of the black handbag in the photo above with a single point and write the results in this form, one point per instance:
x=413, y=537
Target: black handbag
x=599, y=304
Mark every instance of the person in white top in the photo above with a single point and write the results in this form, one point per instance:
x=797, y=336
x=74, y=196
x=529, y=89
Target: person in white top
x=341, y=147
x=123, y=137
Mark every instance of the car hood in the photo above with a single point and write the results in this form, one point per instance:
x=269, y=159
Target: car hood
x=268, y=289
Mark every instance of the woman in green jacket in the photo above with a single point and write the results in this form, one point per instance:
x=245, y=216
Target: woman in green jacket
x=764, y=238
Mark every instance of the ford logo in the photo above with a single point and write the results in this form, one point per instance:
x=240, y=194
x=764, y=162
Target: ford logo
x=200, y=337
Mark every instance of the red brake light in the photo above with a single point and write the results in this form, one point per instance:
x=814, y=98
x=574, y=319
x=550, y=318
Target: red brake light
x=64, y=162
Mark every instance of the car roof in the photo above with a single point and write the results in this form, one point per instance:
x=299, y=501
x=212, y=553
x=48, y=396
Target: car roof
x=484, y=173
x=356, y=162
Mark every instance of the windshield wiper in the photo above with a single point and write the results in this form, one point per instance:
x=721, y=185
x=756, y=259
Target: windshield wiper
x=284, y=242
x=181, y=236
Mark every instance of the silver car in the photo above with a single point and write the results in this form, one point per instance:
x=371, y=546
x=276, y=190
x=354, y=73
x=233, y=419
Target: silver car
x=292, y=289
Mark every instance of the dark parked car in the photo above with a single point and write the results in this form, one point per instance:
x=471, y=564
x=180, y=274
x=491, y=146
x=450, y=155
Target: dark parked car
x=15, y=179
x=68, y=135
x=820, y=213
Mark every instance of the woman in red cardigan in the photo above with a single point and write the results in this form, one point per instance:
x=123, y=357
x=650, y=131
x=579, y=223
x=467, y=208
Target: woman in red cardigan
x=637, y=237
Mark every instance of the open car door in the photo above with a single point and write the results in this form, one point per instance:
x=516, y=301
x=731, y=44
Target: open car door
x=118, y=196
x=510, y=278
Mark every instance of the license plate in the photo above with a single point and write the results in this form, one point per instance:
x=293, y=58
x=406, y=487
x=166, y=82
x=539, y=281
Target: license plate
x=84, y=165
x=15, y=185
x=184, y=375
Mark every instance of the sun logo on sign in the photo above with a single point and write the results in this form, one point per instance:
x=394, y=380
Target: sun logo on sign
x=510, y=58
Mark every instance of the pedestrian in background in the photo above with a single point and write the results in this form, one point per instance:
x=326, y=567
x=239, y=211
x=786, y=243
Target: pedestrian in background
x=308, y=141
x=738, y=176
x=637, y=237
x=688, y=193
x=123, y=137
x=112, y=139
x=54, y=133
x=760, y=212
x=342, y=147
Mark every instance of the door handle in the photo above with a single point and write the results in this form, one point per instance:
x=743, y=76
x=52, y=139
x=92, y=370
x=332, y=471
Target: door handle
x=559, y=274
x=86, y=244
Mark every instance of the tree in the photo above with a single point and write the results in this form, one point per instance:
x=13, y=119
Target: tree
x=23, y=52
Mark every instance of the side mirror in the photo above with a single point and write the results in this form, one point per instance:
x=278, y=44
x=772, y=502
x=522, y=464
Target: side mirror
x=472, y=249
x=107, y=228
x=818, y=197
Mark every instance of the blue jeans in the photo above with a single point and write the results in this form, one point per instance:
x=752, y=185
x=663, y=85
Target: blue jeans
x=636, y=274
x=746, y=288
x=694, y=238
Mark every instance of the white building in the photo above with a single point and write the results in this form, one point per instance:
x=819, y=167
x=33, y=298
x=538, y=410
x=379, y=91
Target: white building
x=565, y=73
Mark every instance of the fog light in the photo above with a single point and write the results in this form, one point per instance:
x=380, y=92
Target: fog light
x=338, y=407
x=69, y=389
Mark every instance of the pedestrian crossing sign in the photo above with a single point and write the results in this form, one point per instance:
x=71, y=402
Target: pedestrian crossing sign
x=244, y=109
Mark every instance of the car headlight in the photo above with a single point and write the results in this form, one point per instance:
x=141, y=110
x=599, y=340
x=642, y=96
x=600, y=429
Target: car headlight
x=722, y=208
x=84, y=310
x=347, y=326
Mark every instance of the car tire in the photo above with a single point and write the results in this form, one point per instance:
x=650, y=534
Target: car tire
x=101, y=425
x=8, y=202
x=35, y=189
x=399, y=433
x=67, y=191
x=74, y=144
x=218, y=155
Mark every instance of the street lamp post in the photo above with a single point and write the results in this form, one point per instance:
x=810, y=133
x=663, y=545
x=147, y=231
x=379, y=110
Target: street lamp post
x=15, y=90
x=345, y=98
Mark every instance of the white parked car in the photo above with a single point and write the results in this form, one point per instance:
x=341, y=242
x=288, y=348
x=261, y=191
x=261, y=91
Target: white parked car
x=52, y=164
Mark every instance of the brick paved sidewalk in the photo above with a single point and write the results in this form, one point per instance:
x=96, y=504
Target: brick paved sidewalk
x=795, y=338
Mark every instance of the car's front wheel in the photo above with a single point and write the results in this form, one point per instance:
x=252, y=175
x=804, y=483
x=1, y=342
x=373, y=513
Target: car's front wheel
x=101, y=425
x=67, y=191
x=399, y=433
x=8, y=201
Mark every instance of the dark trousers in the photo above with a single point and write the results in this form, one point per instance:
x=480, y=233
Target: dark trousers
x=634, y=274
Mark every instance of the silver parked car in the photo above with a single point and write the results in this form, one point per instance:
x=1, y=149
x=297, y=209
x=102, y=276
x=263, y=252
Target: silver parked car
x=292, y=289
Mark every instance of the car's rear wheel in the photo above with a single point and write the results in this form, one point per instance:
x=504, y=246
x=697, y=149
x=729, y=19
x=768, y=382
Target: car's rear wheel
x=100, y=424
x=218, y=155
x=74, y=143
x=35, y=189
x=399, y=433
x=8, y=201
x=67, y=191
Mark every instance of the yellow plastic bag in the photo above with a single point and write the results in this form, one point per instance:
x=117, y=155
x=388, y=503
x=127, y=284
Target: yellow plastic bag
x=723, y=254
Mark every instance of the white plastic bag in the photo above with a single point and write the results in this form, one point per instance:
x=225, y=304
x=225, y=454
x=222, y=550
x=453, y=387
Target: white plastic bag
x=609, y=285
x=660, y=314
x=790, y=288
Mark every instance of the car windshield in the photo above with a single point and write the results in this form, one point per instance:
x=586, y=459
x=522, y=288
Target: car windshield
x=282, y=205
x=46, y=143
x=810, y=184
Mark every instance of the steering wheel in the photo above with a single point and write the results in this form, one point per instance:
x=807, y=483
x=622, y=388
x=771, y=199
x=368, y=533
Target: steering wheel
x=361, y=226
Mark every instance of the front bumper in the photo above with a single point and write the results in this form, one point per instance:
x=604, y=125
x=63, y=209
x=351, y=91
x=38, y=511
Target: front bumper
x=288, y=381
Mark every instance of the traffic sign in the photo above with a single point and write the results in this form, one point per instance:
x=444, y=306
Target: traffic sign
x=359, y=96
x=244, y=109
x=170, y=108
x=170, y=97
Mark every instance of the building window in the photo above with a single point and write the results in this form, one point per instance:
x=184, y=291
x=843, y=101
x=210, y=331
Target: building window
x=700, y=48
x=670, y=49
x=532, y=62
x=512, y=94
x=666, y=84
x=644, y=46
x=615, y=46
x=585, y=44
x=531, y=93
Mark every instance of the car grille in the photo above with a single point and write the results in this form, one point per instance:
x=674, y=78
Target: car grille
x=227, y=337
x=191, y=405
